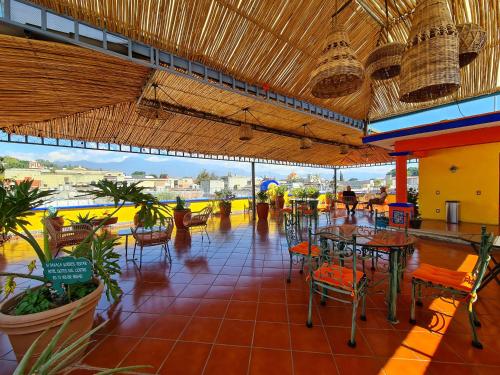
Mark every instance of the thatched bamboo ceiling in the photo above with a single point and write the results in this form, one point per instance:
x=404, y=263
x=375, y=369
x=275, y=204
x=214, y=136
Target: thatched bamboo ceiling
x=62, y=91
x=67, y=92
x=277, y=41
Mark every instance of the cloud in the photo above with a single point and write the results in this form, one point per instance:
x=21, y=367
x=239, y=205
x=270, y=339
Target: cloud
x=95, y=156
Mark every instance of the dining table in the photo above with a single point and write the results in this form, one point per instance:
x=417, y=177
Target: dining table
x=396, y=244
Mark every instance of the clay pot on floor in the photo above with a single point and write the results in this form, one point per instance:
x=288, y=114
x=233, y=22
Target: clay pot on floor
x=22, y=330
x=225, y=209
x=280, y=202
x=262, y=211
x=179, y=218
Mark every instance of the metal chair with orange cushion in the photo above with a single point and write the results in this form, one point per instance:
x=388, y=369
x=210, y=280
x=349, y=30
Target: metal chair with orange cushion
x=458, y=285
x=66, y=235
x=198, y=219
x=157, y=236
x=298, y=249
x=336, y=282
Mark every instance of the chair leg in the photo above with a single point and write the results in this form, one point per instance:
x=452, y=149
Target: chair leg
x=208, y=237
x=168, y=253
x=472, y=320
x=309, y=322
x=302, y=266
x=324, y=293
x=140, y=257
x=363, y=307
x=352, y=340
x=133, y=253
x=413, y=298
x=290, y=270
x=419, y=295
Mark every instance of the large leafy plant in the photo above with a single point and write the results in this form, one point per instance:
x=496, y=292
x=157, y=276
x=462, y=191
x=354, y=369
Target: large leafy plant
x=225, y=196
x=262, y=196
x=16, y=207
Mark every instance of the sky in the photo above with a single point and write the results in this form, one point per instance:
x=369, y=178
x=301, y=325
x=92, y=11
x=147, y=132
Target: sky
x=182, y=167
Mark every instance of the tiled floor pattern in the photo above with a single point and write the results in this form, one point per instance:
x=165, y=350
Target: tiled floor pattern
x=225, y=308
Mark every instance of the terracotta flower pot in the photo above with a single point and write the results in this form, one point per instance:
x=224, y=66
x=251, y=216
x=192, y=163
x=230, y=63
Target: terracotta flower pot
x=179, y=218
x=280, y=202
x=225, y=209
x=262, y=211
x=22, y=330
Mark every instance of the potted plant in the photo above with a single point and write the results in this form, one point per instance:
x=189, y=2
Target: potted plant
x=262, y=205
x=45, y=307
x=280, y=196
x=180, y=210
x=299, y=193
x=83, y=219
x=224, y=196
x=313, y=194
x=412, y=197
x=329, y=198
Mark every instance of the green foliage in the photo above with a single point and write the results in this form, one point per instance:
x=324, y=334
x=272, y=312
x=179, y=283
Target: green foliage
x=329, y=195
x=34, y=301
x=225, y=196
x=411, y=171
x=204, y=175
x=412, y=197
x=312, y=192
x=104, y=259
x=52, y=213
x=353, y=179
x=299, y=193
x=84, y=219
x=56, y=356
x=138, y=174
x=281, y=190
x=78, y=291
x=180, y=204
x=262, y=196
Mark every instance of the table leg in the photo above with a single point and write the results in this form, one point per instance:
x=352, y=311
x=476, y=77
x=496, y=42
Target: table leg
x=393, y=285
x=126, y=247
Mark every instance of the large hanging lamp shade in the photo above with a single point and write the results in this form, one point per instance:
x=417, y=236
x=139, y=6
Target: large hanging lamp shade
x=338, y=72
x=384, y=61
x=472, y=39
x=429, y=66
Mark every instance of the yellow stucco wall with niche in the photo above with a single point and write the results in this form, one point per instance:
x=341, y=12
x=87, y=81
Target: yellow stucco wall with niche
x=475, y=183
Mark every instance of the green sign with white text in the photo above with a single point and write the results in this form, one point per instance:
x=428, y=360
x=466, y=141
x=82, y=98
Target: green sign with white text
x=67, y=270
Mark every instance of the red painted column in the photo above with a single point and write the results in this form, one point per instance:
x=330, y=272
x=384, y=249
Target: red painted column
x=401, y=179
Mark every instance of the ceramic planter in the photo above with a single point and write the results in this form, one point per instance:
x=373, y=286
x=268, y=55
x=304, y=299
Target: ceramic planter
x=179, y=218
x=262, y=211
x=225, y=209
x=24, y=329
x=280, y=202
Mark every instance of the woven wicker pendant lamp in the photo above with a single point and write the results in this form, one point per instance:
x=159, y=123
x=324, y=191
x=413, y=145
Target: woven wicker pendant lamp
x=384, y=61
x=429, y=66
x=338, y=72
x=305, y=142
x=472, y=39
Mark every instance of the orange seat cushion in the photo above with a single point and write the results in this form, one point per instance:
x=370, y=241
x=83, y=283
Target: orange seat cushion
x=286, y=209
x=307, y=211
x=337, y=276
x=303, y=248
x=458, y=280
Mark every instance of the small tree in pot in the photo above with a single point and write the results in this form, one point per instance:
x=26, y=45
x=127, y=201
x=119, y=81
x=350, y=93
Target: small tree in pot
x=180, y=210
x=44, y=308
x=313, y=194
x=280, y=196
x=262, y=205
x=225, y=197
x=412, y=197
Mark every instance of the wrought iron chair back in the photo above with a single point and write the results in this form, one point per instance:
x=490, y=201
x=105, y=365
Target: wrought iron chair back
x=292, y=232
x=483, y=259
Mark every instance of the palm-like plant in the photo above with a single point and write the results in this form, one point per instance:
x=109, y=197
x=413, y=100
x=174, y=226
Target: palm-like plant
x=18, y=201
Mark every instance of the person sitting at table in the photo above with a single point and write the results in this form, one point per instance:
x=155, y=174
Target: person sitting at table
x=378, y=200
x=349, y=198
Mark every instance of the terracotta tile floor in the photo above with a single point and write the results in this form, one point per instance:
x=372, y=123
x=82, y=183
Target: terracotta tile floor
x=225, y=308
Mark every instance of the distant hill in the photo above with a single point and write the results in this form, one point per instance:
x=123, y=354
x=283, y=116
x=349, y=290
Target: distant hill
x=10, y=162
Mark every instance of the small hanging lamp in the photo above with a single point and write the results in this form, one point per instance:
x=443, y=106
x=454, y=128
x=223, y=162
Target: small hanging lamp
x=344, y=147
x=384, y=61
x=153, y=109
x=245, y=130
x=338, y=71
x=429, y=66
x=472, y=39
x=305, y=142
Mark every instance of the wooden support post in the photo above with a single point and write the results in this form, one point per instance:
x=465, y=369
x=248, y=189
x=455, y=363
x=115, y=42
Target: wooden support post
x=253, y=191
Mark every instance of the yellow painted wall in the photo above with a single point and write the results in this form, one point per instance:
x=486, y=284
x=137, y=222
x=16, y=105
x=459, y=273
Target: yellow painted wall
x=478, y=172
